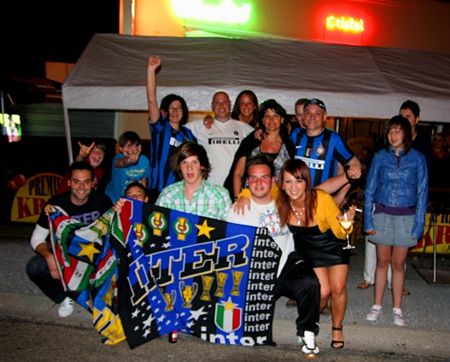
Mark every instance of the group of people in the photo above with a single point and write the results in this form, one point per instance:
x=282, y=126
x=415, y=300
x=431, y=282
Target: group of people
x=290, y=178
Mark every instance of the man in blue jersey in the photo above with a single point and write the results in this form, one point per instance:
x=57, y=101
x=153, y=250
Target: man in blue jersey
x=321, y=149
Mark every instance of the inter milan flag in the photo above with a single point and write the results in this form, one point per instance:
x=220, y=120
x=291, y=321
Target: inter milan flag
x=178, y=271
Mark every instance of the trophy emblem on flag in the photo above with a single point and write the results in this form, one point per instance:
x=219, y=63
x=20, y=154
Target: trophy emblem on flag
x=169, y=299
x=138, y=230
x=158, y=222
x=237, y=277
x=182, y=227
x=221, y=279
x=188, y=293
x=207, y=281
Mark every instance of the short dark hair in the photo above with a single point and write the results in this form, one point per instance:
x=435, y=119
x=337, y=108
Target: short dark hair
x=301, y=101
x=169, y=99
x=405, y=126
x=129, y=136
x=413, y=106
x=188, y=149
x=80, y=166
x=138, y=185
x=259, y=160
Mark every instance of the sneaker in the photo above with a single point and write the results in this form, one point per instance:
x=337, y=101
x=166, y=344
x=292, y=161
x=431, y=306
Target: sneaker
x=398, y=317
x=374, y=313
x=65, y=309
x=308, y=342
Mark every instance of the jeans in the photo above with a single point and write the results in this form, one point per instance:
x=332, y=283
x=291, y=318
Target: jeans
x=39, y=274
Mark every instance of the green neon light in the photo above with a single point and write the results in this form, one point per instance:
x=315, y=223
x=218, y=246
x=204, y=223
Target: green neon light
x=225, y=12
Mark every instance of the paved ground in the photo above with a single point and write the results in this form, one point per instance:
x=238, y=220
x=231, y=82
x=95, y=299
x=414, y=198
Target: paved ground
x=427, y=313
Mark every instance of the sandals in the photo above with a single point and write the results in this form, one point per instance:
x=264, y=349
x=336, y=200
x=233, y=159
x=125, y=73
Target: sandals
x=363, y=285
x=337, y=344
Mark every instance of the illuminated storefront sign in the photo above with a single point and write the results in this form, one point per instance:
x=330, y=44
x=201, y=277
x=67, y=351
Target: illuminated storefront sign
x=226, y=11
x=346, y=24
x=32, y=196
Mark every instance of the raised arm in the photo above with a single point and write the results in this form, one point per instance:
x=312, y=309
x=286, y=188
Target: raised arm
x=153, y=111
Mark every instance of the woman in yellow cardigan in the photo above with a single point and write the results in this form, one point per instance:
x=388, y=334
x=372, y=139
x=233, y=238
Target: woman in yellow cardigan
x=312, y=216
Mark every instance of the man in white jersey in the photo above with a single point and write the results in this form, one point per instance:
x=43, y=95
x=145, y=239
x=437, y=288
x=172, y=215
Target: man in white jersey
x=222, y=139
x=295, y=280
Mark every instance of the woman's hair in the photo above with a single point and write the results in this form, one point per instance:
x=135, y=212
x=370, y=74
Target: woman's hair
x=188, y=149
x=236, y=111
x=405, y=126
x=278, y=109
x=300, y=171
x=169, y=99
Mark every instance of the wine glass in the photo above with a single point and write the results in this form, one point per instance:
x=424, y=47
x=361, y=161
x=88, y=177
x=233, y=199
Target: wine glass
x=346, y=225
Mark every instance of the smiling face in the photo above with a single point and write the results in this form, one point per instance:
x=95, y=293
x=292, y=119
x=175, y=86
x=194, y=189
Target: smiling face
x=175, y=112
x=191, y=170
x=221, y=106
x=314, y=119
x=294, y=187
x=136, y=193
x=246, y=106
x=81, y=183
x=131, y=149
x=260, y=183
x=396, y=137
x=96, y=157
x=272, y=121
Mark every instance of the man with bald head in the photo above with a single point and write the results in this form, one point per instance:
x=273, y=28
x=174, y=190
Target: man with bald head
x=222, y=139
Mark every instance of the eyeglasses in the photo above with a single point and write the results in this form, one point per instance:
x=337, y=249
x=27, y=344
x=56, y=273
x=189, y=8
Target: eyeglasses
x=175, y=109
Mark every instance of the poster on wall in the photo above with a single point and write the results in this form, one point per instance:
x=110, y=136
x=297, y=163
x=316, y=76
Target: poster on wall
x=32, y=195
x=442, y=237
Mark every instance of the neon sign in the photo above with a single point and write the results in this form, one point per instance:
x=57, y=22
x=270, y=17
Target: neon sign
x=224, y=12
x=346, y=24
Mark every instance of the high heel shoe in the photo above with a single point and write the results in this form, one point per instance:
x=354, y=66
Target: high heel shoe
x=337, y=344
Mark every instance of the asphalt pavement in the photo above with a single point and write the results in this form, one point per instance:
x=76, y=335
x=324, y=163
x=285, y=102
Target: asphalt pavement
x=426, y=337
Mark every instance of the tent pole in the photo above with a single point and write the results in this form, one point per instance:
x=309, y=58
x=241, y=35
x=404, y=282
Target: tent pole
x=68, y=134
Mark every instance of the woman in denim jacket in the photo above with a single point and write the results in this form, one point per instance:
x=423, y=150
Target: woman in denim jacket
x=395, y=204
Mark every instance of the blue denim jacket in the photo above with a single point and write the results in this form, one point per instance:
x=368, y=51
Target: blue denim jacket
x=398, y=182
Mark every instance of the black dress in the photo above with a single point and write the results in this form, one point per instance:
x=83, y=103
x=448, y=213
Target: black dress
x=319, y=249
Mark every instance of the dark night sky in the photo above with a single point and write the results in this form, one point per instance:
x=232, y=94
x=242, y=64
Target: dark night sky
x=33, y=32
x=40, y=30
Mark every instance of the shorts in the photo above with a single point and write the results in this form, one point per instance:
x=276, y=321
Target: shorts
x=393, y=230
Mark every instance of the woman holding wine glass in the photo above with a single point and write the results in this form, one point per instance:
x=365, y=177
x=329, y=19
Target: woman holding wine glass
x=313, y=218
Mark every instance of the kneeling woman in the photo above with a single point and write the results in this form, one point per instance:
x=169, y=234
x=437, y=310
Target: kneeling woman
x=312, y=216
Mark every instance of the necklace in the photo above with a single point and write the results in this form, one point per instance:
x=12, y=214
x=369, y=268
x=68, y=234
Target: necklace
x=298, y=213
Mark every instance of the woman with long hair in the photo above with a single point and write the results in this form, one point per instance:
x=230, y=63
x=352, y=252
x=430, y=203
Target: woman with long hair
x=275, y=145
x=312, y=216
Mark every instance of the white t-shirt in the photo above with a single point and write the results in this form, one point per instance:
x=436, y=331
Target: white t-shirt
x=221, y=142
x=267, y=216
